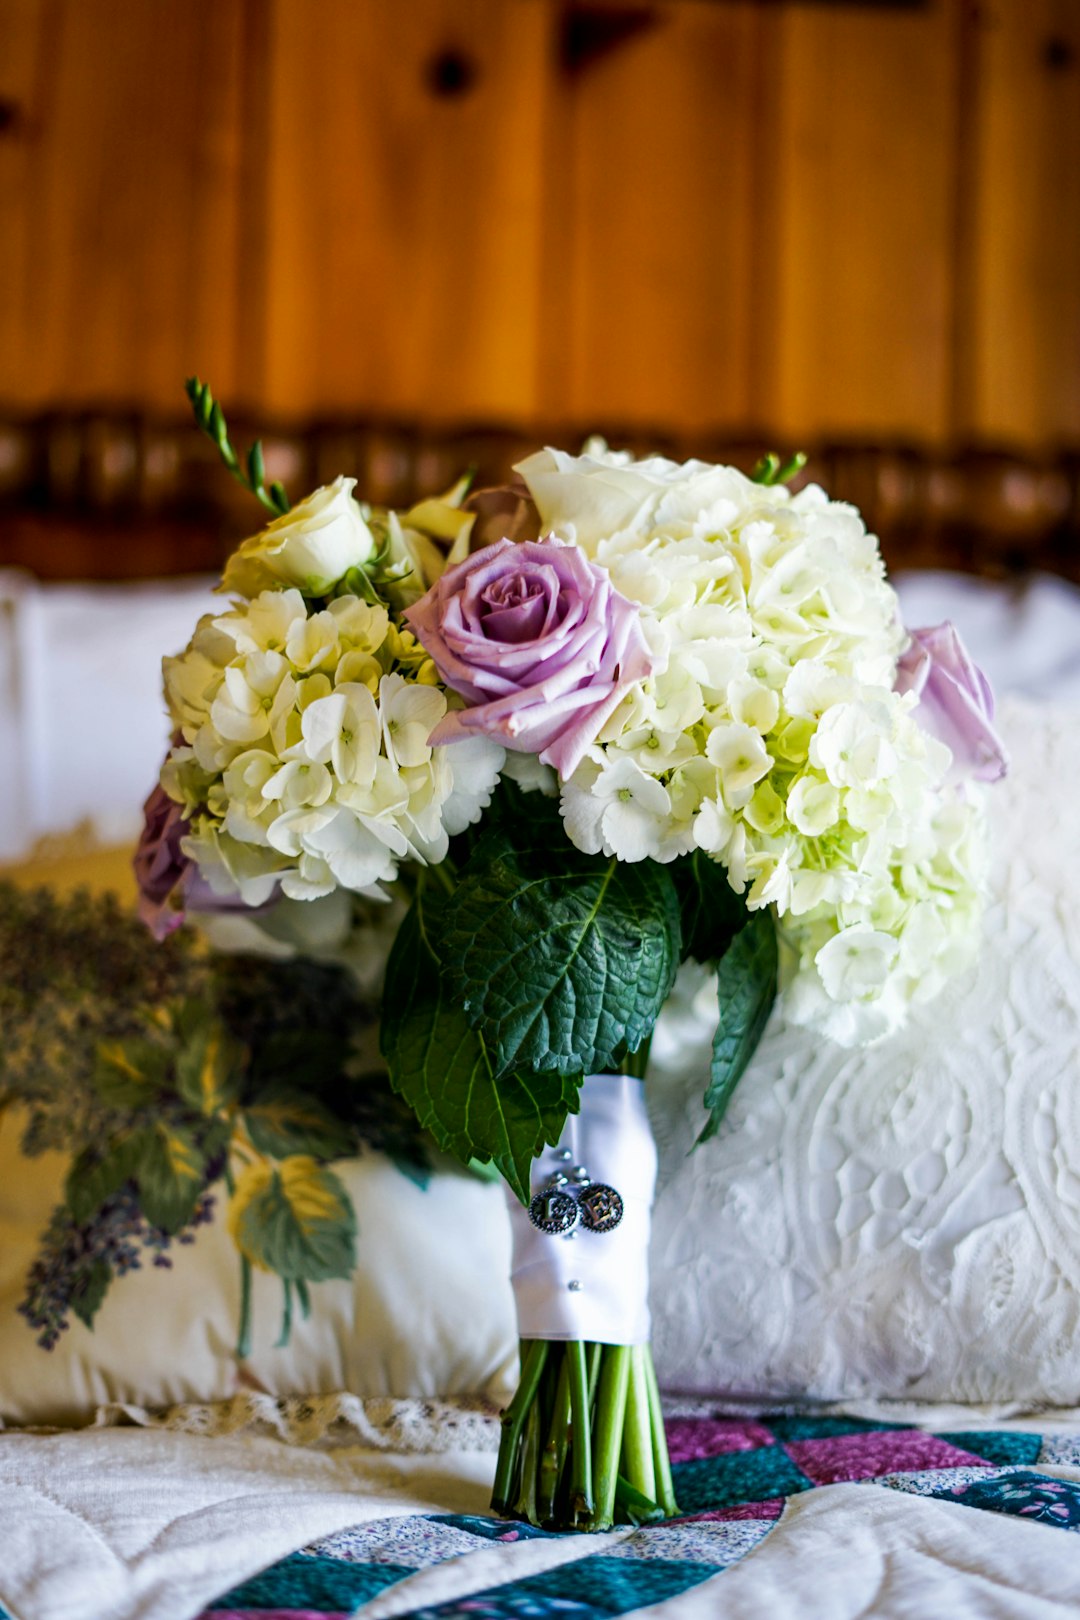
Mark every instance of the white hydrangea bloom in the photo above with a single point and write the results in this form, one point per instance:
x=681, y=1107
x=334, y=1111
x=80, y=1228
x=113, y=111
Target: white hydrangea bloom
x=302, y=761
x=770, y=735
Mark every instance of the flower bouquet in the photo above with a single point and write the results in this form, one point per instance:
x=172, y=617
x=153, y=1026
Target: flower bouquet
x=612, y=716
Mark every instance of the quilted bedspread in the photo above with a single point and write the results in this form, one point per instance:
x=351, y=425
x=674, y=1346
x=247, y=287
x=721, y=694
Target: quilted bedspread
x=733, y=1480
x=797, y=1516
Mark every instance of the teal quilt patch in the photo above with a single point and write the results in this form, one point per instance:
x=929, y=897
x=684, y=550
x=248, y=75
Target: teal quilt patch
x=1000, y=1447
x=319, y=1585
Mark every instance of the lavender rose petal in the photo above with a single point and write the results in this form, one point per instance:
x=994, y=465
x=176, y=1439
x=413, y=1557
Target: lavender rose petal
x=955, y=701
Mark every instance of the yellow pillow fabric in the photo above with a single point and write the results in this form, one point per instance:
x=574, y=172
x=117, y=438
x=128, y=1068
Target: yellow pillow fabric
x=76, y=862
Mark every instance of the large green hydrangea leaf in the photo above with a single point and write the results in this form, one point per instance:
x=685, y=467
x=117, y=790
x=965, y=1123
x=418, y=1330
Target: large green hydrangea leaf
x=746, y=990
x=712, y=912
x=561, y=961
x=444, y=1068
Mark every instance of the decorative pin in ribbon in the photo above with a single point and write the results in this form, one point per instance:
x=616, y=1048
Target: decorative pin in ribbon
x=565, y=1201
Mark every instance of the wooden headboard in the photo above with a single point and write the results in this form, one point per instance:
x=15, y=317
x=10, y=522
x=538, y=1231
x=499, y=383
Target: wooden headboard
x=109, y=495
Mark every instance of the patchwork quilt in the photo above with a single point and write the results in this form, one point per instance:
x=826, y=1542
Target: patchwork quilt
x=733, y=1478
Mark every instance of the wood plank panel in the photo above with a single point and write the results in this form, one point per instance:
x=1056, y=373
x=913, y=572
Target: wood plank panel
x=404, y=225
x=23, y=35
x=856, y=268
x=1025, y=312
x=123, y=201
x=651, y=166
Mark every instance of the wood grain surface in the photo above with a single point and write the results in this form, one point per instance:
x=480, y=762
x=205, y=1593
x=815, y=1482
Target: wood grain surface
x=788, y=220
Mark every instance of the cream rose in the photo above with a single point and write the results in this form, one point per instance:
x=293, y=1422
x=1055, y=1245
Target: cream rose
x=312, y=547
x=590, y=498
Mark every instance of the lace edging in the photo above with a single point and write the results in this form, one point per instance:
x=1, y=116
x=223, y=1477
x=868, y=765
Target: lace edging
x=380, y=1423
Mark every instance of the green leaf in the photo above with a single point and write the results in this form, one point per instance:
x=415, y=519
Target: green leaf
x=197, y=392
x=218, y=427
x=560, y=959
x=94, y=1178
x=772, y=470
x=766, y=469
x=210, y=1067
x=90, y=1290
x=297, y=1059
x=170, y=1168
x=712, y=912
x=256, y=465
x=443, y=1068
x=130, y=1074
x=746, y=990
x=294, y=1218
x=792, y=466
x=284, y=1121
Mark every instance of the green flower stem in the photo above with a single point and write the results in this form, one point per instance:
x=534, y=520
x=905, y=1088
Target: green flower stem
x=558, y=1440
x=530, y=1457
x=583, y=1443
x=633, y=1063
x=665, y=1489
x=637, y=1508
x=608, y=1436
x=513, y=1420
x=252, y=472
x=582, y=1382
x=637, y=1449
x=596, y=1356
x=444, y=874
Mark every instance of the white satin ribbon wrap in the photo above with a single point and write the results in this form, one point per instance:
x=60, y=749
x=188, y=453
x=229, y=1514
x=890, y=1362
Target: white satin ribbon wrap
x=612, y=1138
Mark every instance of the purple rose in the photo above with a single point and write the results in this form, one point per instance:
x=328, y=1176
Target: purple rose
x=956, y=704
x=538, y=642
x=161, y=867
x=169, y=881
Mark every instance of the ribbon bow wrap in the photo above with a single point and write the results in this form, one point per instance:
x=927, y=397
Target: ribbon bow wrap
x=591, y=1285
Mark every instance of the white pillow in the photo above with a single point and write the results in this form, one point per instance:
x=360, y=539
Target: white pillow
x=83, y=726
x=901, y=1221
x=428, y=1311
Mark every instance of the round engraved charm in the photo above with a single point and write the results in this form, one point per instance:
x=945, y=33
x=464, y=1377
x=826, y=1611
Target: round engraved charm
x=601, y=1207
x=554, y=1212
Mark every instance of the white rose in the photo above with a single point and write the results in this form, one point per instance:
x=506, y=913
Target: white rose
x=311, y=547
x=598, y=495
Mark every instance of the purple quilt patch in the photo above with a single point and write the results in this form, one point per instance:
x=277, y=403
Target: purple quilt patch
x=769, y=1509
x=281, y=1614
x=691, y=1438
x=842, y=1457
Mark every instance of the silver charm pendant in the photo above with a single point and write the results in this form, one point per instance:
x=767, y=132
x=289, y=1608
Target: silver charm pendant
x=600, y=1207
x=554, y=1212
